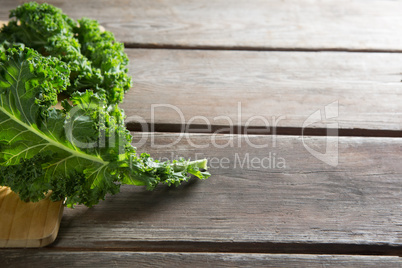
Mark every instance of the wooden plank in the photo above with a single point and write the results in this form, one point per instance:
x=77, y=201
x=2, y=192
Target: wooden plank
x=224, y=88
x=27, y=224
x=147, y=259
x=253, y=203
x=256, y=24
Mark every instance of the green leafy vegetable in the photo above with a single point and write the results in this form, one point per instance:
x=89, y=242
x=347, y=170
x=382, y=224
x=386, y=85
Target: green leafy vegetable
x=83, y=151
x=96, y=60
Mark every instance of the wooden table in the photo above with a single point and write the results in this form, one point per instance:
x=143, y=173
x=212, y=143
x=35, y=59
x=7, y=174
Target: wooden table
x=297, y=104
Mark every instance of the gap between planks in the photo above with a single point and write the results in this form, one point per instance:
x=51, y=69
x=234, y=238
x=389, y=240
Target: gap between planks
x=251, y=48
x=162, y=259
x=246, y=247
x=255, y=130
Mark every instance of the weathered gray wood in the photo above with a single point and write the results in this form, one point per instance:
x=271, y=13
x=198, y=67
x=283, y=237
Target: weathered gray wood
x=147, y=259
x=345, y=25
x=305, y=206
x=282, y=88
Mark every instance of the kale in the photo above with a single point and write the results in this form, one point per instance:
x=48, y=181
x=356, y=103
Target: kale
x=82, y=151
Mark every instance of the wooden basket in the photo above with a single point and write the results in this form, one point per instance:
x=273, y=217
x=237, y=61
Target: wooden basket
x=27, y=225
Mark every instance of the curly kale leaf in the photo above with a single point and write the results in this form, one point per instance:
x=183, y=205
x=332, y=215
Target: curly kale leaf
x=35, y=24
x=29, y=84
x=81, y=152
x=97, y=62
x=101, y=48
x=26, y=178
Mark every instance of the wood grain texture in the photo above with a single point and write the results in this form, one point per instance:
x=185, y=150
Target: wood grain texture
x=196, y=88
x=25, y=225
x=261, y=24
x=305, y=206
x=37, y=258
